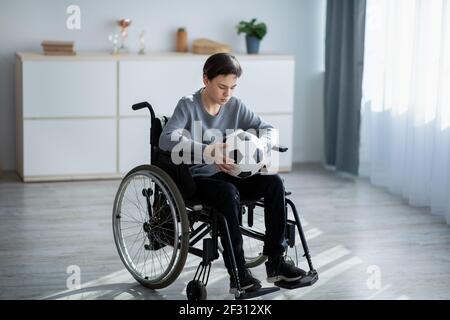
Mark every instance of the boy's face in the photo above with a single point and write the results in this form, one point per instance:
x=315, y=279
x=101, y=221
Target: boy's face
x=220, y=89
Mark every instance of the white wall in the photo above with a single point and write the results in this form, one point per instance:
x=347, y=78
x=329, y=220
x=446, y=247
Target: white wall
x=294, y=27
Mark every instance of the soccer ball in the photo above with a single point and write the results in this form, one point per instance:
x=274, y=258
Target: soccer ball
x=247, y=151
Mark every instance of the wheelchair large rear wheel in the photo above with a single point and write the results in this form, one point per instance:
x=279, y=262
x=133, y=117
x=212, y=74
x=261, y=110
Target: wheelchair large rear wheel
x=150, y=226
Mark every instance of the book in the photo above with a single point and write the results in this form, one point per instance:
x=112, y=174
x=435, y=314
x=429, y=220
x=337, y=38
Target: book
x=59, y=53
x=58, y=48
x=58, y=43
x=53, y=48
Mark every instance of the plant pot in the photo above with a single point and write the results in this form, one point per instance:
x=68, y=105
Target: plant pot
x=252, y=44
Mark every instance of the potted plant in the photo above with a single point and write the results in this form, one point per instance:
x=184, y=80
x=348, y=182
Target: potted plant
x=254, y=33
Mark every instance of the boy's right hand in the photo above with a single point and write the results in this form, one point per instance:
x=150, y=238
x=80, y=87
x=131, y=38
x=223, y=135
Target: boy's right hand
x=216, y=153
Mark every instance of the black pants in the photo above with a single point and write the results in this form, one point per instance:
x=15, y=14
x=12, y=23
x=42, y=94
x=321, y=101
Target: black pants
x=223, y=192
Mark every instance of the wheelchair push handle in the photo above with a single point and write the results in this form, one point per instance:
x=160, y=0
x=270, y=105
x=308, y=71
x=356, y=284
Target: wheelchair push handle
x=142, y=105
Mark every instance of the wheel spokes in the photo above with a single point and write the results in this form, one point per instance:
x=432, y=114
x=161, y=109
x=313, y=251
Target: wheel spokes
x=148, y=227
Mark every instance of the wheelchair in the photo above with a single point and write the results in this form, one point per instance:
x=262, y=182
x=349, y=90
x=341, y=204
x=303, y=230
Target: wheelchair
x=157, y=223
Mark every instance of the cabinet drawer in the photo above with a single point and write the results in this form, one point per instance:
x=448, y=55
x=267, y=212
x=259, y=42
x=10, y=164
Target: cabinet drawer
x=69, y=147
x=162, y=83
x=69, y=88
x=134, y=142
x=267, y=86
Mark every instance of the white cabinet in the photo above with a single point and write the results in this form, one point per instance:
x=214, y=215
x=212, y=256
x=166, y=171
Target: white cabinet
x=66, y=117
x=74, y=117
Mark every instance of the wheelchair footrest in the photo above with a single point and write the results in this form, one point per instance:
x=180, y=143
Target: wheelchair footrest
x=257, y=293
x=306, y=281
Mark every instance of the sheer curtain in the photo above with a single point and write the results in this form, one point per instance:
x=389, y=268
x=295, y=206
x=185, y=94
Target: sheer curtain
x=405, y=111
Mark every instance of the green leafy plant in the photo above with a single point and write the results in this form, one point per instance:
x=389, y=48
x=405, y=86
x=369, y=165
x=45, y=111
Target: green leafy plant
x=251, y=28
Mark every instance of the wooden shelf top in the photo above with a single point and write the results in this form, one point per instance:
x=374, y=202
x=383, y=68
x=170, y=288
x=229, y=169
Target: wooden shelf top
x=104, y=56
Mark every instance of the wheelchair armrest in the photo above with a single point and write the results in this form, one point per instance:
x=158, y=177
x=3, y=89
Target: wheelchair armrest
x=279, y=148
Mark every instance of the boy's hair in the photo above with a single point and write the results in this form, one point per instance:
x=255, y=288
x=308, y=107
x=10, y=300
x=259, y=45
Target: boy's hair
x=221, y=64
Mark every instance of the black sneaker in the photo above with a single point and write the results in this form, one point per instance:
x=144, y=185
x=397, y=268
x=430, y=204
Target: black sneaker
x=279, y=269
x=246, y=280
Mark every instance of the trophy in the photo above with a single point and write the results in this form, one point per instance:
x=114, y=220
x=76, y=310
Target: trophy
x=114, y=38
x=123, y=24
x=142, y=42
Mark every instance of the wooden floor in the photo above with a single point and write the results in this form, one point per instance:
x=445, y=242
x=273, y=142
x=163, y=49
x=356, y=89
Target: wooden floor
x=365, y=243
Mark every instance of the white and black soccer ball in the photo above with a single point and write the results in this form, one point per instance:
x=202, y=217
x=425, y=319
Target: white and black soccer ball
x=247, y=151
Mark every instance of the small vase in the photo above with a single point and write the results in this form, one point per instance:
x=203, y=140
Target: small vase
x=252, y=44
x=182, y=40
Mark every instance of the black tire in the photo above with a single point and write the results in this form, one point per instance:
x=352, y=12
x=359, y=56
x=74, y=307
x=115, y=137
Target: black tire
x=168, y=201
x=196, y=290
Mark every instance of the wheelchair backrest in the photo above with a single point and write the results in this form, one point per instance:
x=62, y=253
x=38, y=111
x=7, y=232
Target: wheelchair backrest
x=157, y=125
x=179, y=173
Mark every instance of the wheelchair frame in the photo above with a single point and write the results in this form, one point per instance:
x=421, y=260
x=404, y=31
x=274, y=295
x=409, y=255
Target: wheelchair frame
x=178, y=175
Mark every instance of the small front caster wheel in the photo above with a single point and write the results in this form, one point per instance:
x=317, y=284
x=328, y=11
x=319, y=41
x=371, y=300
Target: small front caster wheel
x=196, y=290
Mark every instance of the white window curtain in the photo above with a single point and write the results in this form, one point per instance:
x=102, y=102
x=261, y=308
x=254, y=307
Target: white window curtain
x=405, y=128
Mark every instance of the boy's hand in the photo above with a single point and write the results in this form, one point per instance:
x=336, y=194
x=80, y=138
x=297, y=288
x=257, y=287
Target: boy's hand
x=216, y=153
x=227, y=168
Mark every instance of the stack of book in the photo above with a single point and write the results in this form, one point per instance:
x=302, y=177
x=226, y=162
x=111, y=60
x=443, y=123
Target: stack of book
x=58, y=48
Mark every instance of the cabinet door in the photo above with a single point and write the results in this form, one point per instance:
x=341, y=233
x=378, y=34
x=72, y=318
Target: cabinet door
x=160, y=82
x=69, y=147
x=69, y=88
x=283, y=124
x=134, y=143
x=267, y=86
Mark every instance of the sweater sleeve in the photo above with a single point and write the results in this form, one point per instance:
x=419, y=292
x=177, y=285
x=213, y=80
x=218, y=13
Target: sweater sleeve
x=266, y=132
x=174, y=133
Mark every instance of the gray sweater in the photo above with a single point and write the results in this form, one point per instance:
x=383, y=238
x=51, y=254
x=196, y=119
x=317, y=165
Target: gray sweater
x=191, y=116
